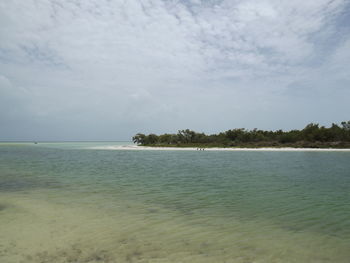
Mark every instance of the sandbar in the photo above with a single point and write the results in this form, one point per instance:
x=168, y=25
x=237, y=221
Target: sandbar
x=152, y=148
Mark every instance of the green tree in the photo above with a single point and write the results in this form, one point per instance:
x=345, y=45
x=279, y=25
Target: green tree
x=310, y=132
x=186, y=136
x=139, y=138
x=151, y=139
x=165, y=138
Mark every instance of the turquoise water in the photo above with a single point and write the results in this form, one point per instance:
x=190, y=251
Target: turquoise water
x=66, y=202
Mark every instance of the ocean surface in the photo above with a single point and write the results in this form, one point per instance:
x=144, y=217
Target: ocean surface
x=67, y=202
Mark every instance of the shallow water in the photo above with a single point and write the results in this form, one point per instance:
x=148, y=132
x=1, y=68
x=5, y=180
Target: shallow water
x=68, y=203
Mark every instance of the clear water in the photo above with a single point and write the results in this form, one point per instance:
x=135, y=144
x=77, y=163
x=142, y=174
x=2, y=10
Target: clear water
x=65, y=202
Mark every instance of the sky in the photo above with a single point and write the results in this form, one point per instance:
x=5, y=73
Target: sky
x=107, y=69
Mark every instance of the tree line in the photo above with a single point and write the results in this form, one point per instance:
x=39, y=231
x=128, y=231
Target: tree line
x=313, y=135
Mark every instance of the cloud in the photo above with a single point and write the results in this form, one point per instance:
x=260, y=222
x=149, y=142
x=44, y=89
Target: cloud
x=159, y=66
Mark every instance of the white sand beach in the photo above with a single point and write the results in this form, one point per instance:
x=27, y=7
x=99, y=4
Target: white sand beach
x=148, y=148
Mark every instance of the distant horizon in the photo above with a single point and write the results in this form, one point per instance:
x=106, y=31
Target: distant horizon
x=175, y=131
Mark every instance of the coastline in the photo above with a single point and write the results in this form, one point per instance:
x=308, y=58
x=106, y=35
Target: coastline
x=264, y=149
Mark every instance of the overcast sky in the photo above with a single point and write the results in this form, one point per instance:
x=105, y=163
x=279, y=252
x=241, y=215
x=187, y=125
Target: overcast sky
x=107, y=69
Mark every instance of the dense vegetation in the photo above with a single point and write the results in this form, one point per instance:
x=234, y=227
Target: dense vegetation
x=313, y=135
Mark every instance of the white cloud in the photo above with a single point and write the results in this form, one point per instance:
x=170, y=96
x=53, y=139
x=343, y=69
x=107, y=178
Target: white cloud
x=150, y=63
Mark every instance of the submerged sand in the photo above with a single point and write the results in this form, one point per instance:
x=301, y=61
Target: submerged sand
x=40, y=227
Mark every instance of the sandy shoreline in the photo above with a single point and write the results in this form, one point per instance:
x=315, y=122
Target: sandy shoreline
x=147, y=148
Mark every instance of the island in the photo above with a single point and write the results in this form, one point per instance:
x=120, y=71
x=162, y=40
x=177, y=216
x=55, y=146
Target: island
x=312, y=136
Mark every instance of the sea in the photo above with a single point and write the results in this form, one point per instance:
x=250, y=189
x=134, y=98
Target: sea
x=76, y=202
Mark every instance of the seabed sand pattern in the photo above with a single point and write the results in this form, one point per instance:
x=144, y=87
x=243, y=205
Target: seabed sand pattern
x=148, y=148
x=37, y=226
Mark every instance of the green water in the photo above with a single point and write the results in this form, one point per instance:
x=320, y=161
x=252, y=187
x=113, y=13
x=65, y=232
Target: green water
x=65, y=202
